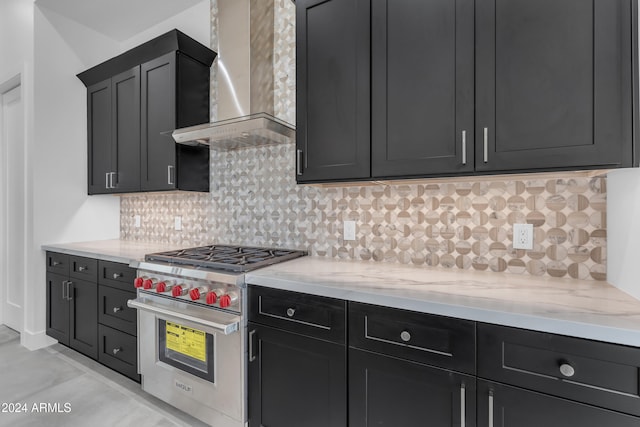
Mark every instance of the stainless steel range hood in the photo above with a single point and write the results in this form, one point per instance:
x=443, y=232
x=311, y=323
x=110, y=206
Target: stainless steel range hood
x=245, y=90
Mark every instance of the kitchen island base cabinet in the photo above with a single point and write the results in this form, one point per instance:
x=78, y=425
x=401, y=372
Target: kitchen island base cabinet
x=295, y=381
x=504, y=406
x=385, y=391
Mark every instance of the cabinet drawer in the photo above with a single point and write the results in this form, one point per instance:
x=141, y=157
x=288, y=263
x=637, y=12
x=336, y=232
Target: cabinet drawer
x=435, y=340
x=597, y=373
x=116, y=275
x=58, y=263
x=118, y=351
x=310, y=315
x=83, y=268
x=113, y=310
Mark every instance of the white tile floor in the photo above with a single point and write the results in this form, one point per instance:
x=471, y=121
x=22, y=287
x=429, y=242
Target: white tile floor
x=72, y=390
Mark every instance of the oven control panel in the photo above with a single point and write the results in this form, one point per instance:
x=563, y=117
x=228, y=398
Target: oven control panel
x=209, y=294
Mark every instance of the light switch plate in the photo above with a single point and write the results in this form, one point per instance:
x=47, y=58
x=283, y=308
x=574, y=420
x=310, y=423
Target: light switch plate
x=136, y=221
x=177, y=223
x=523, y=236
x=349, y=230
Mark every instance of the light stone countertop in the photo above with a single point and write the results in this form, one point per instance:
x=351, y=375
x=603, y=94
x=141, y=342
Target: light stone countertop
x=111, y=250
x=580, y=308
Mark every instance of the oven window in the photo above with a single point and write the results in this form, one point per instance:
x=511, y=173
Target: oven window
x=185, y=348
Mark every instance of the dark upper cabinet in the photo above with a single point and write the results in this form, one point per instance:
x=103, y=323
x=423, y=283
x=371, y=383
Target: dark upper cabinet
x=99, y=137
x=422, y=87
x=333, y=78
x=554, y=84
x=135, y=101
x=463, y=87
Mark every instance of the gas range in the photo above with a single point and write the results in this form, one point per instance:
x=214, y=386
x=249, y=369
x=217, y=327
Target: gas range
x=192, y=337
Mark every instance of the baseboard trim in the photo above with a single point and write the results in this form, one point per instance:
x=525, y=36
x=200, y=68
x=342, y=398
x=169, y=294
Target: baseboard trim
x=36, y=340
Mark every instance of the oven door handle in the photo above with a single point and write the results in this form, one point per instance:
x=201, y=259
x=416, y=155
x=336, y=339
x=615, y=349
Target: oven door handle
x=225, y=328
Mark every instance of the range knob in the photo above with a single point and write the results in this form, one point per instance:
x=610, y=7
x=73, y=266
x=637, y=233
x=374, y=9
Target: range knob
x=138, y=282
x=149, y=283
x=180, y=290
x=228, y=299
x=213, y=296
x=196, y=293
x=165, y=286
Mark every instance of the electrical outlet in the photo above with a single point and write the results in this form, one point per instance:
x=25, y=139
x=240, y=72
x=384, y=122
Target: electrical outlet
x=349, y=230
x=177, y=223
x=523, y=236
x=136, y=221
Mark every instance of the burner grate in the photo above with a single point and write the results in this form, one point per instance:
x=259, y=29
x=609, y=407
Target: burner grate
x=225, y=257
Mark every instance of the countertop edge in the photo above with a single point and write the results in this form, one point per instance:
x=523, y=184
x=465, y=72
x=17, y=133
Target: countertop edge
x=88, y=254
x=592, y=331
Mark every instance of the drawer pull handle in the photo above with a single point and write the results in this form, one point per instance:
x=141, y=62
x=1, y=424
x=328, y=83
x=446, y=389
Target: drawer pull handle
x=116, y=350
x=463, y=405
x=117, y=275
x=82, y=268
x=405, y=336
x=567, y=370
x=56, y=263
x=490, y=408
x=291, y=312
x=117, y=309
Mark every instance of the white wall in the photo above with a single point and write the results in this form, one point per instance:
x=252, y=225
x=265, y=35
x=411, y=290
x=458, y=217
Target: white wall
x=62, y=211
x=623, y=230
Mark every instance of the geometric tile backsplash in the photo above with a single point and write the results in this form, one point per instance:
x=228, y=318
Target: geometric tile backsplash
x=254, y=200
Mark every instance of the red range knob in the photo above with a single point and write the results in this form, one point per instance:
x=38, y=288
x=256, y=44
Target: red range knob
x=176, y=291
x=225, y=301
x=212, y=297
x=149, y=283
x=194, y=294
x=165, y=286
x=138, y=282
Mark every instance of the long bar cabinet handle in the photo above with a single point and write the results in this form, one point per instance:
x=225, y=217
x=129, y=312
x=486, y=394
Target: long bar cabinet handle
x=252, y=356
x=299, y=162
x=463, y=404
x=169, y=173
x=490, y=408
x=464, y=147
x=64, y=287
x=486, y=145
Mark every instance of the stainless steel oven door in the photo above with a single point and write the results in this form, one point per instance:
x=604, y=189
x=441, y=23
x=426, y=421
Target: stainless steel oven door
x=193, y=358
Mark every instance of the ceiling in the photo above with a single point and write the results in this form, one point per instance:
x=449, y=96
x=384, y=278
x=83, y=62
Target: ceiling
x=118, y=19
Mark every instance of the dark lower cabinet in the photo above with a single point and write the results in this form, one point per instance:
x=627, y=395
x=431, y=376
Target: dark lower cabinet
x=57, y=308
x=72, y=314
x=294, y=380
x=87, y=310
x=386, y=391
x=504, y=406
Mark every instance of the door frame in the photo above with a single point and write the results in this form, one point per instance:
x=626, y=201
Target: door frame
x=6, y=87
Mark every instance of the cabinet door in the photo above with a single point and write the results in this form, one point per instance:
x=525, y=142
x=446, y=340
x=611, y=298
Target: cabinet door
x=57, y=308
x=158, y=149
x=126, y=130
x=504, y=406
x=553, y=84
x=422, y=87
x=295, y=381
x=83, y=318
x=99, y=134
x=333, y=111
x=385, y=391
